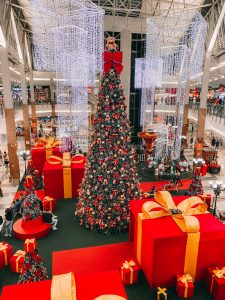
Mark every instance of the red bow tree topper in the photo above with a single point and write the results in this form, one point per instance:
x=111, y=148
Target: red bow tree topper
x=113, y=60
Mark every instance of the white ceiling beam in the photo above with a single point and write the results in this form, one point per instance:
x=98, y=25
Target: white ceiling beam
x=216, y=30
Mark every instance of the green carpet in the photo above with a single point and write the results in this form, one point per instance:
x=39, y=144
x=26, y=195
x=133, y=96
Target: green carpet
x=70, y=235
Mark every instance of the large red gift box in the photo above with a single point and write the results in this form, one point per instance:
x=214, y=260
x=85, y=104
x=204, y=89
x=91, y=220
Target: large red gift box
x=185, y=286
x=161, y=245
x=42, y=150
x=6, y=251
x=129, y=272
x=101, y=283
x=30, y=245
x=215, y=281
x=16, y=261
x=62, y=177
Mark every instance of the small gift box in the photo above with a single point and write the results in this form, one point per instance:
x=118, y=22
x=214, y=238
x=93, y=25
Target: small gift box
x=215, y=281
x=49, y=203
x=30, y=245
x=16, y=261
x=5, y=254
x=29, y=182
x=185, y=286
x=162, y=293
x=129, y=272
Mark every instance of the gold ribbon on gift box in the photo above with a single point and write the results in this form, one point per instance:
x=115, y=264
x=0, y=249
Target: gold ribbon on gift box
x=219, y=273
x=183, y=215
x=63, y=287
x=66, y=162
x=185, y=279
x=161, y=291
x=47, y=144
x=20, y=254
x=128, y=266
x=3, y=247
x=49, y=200
x=109, y=297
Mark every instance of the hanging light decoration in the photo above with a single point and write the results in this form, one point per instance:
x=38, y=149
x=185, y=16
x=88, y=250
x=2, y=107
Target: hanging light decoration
x=68, y=40
x=172, y=57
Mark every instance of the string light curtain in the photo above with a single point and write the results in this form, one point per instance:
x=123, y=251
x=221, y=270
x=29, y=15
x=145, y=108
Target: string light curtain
x=68, y=40
x=175, y=43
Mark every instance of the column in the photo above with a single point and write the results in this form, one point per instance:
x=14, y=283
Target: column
x=185, y=111
x=33, y=106
x=10, y=119
x=126, y=73
x=203, y=100
x=52, y=88
x=26, y=123
x=33, y=103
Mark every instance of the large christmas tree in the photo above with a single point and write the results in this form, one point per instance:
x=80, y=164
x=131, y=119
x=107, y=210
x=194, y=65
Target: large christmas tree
x=110, y=179
x=33, y=268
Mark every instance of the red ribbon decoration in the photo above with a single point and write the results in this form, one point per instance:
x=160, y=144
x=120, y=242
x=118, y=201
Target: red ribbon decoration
x=113, y=60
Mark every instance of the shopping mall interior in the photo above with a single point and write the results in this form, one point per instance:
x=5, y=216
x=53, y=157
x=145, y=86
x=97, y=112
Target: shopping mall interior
x=112, y=149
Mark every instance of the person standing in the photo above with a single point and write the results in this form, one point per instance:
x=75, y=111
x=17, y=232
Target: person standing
x=1, y=193
x=213, y=142
x=217, y=144
x=5, y=159
x=9, y=222
x=1, y=158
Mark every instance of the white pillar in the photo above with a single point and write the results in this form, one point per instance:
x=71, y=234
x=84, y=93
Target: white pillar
x=9, y=118
x=26, y=122
x=31, y=86
x=23, y=84
x=126, y=73
x=6, y=78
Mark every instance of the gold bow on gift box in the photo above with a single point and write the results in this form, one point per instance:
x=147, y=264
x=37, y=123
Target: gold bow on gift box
x=63, y=287
x=128, y=266
x=161, y=291
x=47, y=144
x=3, y=247
x=20, y=254
x=66, y=162
x=219, y=273
x=185, y=279
x=183, y=215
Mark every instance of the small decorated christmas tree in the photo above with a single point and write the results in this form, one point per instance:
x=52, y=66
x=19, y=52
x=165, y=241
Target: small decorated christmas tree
x=195, y=187
x=31, y=207
x=33, y=268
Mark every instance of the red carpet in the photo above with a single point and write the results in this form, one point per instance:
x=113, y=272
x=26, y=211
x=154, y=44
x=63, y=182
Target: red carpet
x=88, y=287
x=91, y=259
x=146, y=186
